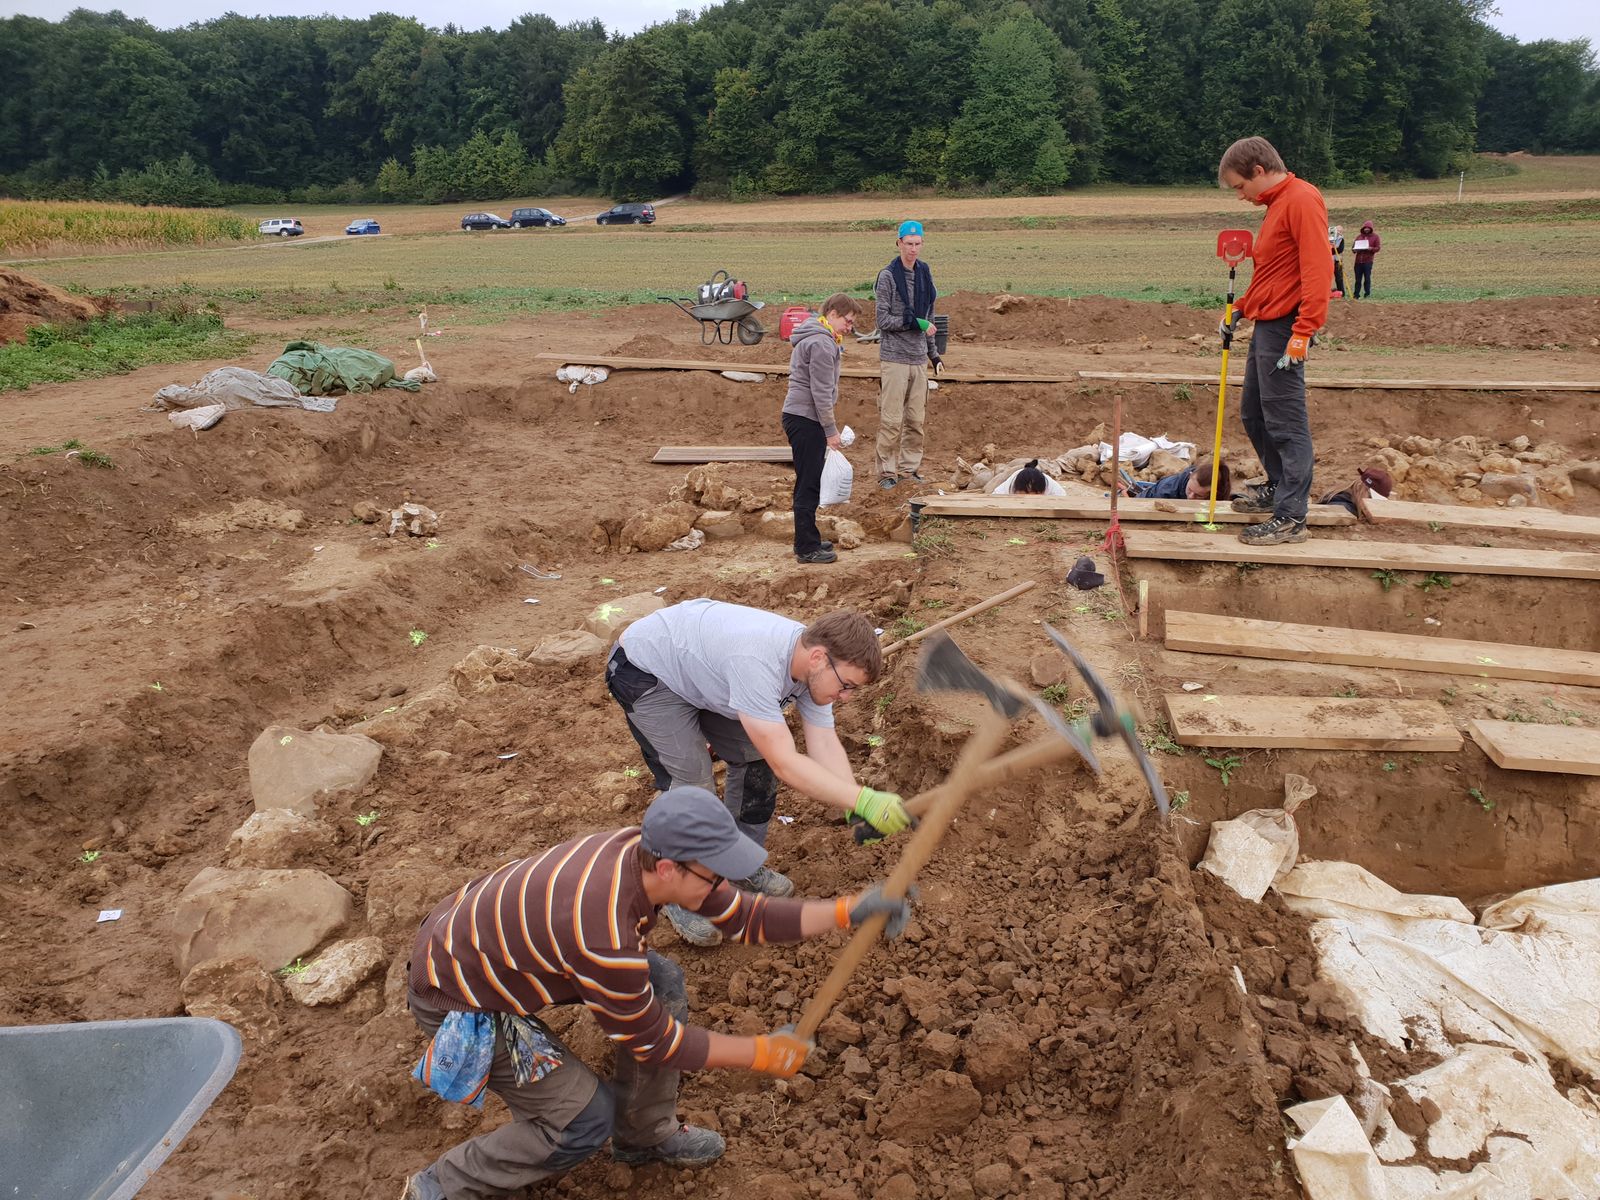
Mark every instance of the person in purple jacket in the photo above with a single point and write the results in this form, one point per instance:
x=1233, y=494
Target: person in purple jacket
x=1367, y=245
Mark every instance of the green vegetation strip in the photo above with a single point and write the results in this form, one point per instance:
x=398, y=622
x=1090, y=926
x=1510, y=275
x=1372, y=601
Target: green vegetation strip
x=115, y=345
x=28, y=227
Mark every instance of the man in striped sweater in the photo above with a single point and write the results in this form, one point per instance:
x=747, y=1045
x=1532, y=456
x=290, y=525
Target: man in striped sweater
x=569, y=927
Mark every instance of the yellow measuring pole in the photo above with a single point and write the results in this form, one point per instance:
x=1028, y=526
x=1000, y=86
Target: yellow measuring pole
x=1222, y=402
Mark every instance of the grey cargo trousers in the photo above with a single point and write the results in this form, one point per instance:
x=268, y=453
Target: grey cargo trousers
x=1275, y=417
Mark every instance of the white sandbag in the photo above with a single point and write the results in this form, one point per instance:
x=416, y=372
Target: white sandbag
x=200, y=418
x=692, y=540
x=744, y=376
x=575, y=375
x=1334, y=1159
x=1258, y=848
x=236, y=387
x=422, y=374
x=1136, y=449
x=838, y=477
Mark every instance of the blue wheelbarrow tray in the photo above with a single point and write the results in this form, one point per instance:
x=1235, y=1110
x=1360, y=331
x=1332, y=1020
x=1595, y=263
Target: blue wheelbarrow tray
x=89, y=1111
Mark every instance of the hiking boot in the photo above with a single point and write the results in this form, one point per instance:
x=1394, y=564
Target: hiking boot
x=691, y=1146
x=825, y=544
x=1274, y=532
x=768, y=882
x=817, y=556
x=1258, y=497
x=424, y=1185
x=887, y=482
x=692, y=927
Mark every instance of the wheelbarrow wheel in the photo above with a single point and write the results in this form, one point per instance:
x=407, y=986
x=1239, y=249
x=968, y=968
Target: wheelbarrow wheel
x=750, y=331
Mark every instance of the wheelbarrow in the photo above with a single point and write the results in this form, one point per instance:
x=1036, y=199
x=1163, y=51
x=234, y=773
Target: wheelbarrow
x=720, y=320
x=92, y=1109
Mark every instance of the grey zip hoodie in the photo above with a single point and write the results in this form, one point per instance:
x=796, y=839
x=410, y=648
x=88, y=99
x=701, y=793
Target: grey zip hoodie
x=813, y=374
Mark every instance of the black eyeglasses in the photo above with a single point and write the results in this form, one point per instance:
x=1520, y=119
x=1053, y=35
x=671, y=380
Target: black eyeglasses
x=843, y=686
x=715, y=881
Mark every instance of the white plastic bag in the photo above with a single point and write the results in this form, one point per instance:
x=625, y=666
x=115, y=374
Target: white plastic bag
x=838, y=476
x=576, y=375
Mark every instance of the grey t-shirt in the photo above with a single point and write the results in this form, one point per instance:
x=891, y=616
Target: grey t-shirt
x=724, y=658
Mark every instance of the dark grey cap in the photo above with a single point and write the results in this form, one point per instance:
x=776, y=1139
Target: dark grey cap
x=689, y=824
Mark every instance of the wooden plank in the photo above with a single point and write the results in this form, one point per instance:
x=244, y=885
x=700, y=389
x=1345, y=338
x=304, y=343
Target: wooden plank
x=707, y=454
x=1393, y=556
x=1245, y=637
x=620, y=363
x=1520, y=747
x=1385, y=385
x=1461, y=516
x=1310, y=723
x=1096, y=508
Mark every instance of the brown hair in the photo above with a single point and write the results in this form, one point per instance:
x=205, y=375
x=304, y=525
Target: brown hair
x=842, y=305
x=1245, y=155
x=850, y=638
x=1202, y=475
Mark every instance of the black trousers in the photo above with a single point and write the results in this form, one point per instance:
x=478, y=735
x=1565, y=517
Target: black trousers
x=810, y=446
x=1363, y=278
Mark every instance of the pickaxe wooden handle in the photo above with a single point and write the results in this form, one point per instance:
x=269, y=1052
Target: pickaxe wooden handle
x=981, y=606
x=946, y=800
x=1041, y=752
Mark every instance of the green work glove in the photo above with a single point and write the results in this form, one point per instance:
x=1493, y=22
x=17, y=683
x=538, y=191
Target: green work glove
x=924, y=325
x=884, y=811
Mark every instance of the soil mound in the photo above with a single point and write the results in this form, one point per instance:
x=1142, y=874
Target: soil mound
x=25, y=302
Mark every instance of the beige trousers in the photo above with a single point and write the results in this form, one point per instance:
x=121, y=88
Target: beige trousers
x=902, y=407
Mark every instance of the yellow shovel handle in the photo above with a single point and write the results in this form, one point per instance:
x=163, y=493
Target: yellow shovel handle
x=1222, y=404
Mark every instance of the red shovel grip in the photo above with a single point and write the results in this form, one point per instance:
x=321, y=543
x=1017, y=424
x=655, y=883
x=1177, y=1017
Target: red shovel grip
x=1233, y=246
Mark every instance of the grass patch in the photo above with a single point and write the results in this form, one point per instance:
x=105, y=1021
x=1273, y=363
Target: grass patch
x=115, y=345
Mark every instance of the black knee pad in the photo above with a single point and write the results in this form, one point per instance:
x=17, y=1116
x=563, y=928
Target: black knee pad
x=667, y=980
x=586, y=1133
x=759, y=795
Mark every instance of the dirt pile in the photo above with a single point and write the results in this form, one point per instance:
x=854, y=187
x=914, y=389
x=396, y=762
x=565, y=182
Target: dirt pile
x=26, y=302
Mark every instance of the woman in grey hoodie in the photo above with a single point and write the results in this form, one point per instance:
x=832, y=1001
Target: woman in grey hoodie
x=808, y=415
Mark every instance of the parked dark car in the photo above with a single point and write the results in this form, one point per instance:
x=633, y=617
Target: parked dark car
x=522, y=218
x=363, y=225
x=628, y=214
x=484, y=220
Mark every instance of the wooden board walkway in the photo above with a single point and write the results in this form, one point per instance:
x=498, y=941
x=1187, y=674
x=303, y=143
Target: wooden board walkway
x=709, y=454
x=1095, y=507
x=1520, y=747
x=1244, y=637
x=1310, y=723
x=620, y=363
x=1384, y=385
x=1391, y=556
x=1462, y=516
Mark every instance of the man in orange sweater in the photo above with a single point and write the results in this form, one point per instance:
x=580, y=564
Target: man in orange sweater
x=1288, y=300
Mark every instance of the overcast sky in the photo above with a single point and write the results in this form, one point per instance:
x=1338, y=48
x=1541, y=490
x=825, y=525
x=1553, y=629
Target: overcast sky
x=1528, y=20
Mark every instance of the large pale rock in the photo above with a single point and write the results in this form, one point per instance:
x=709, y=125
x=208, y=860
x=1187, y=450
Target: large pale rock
x=485, y=669
x=1420, y=446
x=290, y=768
x=1555, y=484
x=996, y=1052
x=278, y=837
x=844, y=533
x=337, y=973
x=564, y=649
x=609, y=620
x=1499, y=464
x=273, y=917
x=1586, y=473
x=719, y=525
x=657, y=528
x=1503, y=486
x=1049, y=667
x=235, y=990
x=778, y=526
x=416, y=722
x=939, y=1104
x=1393, y=461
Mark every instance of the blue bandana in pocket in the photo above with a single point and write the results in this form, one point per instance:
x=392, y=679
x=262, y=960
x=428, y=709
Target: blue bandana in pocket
x=457, y=1062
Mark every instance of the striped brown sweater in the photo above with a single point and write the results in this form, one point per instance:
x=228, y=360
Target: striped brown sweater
x=569, y=927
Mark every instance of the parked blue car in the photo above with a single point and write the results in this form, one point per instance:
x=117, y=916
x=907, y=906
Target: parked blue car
x=365, y=225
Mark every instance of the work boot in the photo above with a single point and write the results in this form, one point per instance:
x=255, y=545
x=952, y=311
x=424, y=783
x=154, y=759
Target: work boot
x=424, y=1185
x=768, y=882
x=916, y=477
x=886, y=482
x=825, y=544
x=692, y=927
x=817, y=556
x=691, y=1146
x=1258, y=497
x=1274, y=532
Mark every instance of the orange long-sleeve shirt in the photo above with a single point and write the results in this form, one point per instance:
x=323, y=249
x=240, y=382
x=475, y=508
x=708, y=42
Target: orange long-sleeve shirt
x=1292, y=265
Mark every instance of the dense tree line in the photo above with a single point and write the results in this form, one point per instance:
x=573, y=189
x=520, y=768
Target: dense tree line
x=775, y=97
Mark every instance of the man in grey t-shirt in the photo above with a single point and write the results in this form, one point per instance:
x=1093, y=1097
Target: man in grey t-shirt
x=704, y=671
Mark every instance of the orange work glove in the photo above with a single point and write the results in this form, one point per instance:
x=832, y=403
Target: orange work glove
x=1294, y=358
x=781, y=1053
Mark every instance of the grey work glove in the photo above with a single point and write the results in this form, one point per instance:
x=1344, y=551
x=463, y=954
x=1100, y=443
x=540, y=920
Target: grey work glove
x=1227, y=328
x=937, y=363
x=873, y=902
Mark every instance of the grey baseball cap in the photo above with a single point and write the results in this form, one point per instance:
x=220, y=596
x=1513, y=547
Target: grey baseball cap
x=689, y=824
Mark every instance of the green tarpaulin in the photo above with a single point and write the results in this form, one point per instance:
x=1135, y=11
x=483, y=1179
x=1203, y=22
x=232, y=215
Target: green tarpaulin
x=318, y=370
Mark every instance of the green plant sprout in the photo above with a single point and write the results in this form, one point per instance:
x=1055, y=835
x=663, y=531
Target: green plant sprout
x=367, y=818
x=1225, y=766
x=1483, y=801
x=297, y=967
x=89, y=856
x=1178, y=800
x=1434, y=579
x=1386, y=578
x=874, y=740
x=417, y=637
x=631, y=772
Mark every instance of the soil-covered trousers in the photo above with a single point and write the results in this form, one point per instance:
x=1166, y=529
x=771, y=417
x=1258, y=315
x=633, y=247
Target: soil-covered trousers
x=1275, y=417
x=560, y=1120
x=810, y=447
x=902, y=409
x=673, y=735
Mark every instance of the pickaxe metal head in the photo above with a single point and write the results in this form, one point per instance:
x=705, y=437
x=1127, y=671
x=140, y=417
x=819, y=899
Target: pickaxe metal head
x=946, y=668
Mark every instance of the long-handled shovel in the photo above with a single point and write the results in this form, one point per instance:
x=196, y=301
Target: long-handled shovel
x=1233, y=247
